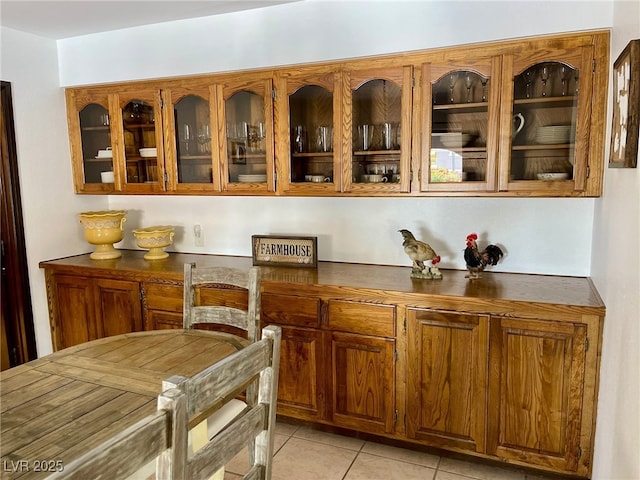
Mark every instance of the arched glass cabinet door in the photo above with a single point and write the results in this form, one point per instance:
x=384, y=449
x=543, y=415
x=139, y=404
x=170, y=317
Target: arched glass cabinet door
x=460, y=137
x=247, y=145
x=140, y=142
x=191, y=145
x=91, y=140
x=309, y=139
x=380, y=130
x=547, y=147
x=97, y=153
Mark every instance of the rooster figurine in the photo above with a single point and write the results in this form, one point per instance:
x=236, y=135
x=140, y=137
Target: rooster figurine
x=476, y=260
x=420, y=252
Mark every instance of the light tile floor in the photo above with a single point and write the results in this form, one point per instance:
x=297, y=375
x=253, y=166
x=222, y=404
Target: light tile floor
x=302, y=453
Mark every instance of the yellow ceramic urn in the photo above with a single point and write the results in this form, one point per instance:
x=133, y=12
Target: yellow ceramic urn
x=103, y=229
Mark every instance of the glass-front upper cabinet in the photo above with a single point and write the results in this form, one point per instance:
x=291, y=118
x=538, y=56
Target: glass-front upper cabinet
x=90, y=139
x=246, y=147
x=460, y=125
x=309, y=138
x=191, y=148
x=380, y=130
x=138, y=143
x=546, y=147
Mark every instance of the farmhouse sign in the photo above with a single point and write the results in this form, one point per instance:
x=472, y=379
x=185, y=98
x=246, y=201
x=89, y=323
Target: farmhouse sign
x=285, y=251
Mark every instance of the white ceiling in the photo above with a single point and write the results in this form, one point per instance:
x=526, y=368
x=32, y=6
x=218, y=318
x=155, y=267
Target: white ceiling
x=63, y=19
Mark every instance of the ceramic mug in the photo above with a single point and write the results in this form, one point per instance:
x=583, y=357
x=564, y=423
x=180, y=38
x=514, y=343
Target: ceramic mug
x=106, y=177
x=316, y=178
x=373, y=178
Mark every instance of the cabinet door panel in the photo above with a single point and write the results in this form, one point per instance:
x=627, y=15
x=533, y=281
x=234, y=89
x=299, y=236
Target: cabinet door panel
x=447, y=378
x=118, y=308
x=362, y=383
x=74, y=311
x=536, y=397
x=301, y=381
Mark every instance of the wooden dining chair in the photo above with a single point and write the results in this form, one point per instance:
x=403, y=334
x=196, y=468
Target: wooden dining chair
x=123, y=454
x=196, y=312
x=196, y=397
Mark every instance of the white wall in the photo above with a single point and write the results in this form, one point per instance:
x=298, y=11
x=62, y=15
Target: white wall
x=616, y=272
x=313, y=30
x=30, y=64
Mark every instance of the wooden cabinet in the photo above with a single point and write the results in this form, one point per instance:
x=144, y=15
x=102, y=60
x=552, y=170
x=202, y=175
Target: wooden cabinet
x=517, y=120
x=84, y=309
x=245, y=124
x=90, y=139
x=510, y=118
x=460, y=128
x=309, y=110
x=136, y=123
x=447, y=375
x=377, y=148
x=549, y=92
x=536, y=392
x=301, y=387
x=362, y=365
x=190, y=141
x=505, y=368
x=161, y=305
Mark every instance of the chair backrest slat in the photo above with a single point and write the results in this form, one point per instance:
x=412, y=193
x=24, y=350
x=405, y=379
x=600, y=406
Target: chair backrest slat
x=223, y=277
x=215, y=383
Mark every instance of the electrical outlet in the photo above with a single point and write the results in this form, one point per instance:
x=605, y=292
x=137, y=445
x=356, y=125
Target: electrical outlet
x=198, y=233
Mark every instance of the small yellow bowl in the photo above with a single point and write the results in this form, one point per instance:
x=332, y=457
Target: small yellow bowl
x=154, y=239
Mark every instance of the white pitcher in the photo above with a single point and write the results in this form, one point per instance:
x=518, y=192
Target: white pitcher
x=518, y=118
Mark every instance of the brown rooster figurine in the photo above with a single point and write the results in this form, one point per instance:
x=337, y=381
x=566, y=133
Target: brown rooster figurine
x=420, y=252
x=476, y=260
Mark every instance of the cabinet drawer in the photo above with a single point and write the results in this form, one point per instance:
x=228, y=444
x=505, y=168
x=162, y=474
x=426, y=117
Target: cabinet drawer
x=290, y=310
x=163, y=297
x=364, y=318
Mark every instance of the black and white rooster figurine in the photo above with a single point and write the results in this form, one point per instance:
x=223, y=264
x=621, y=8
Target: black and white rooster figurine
x=476, y=260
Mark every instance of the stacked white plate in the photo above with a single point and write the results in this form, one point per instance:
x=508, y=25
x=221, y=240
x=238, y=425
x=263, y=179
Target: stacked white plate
x=553, y=134
x=252, y=178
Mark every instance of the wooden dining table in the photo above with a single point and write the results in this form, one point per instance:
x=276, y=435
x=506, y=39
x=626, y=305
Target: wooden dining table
x=56, y=408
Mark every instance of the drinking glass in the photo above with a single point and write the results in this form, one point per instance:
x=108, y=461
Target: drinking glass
x=484, y=82
x=365, y=135
x=187, y=137
x=388, y=136
x=324, y=139
x=544, y=76
x=468, y=82
x=204, y=139
x=564, y=73
x=453, y=78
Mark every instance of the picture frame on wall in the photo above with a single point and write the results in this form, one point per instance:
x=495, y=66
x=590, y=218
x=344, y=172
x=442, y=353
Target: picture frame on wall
x=626, y=107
